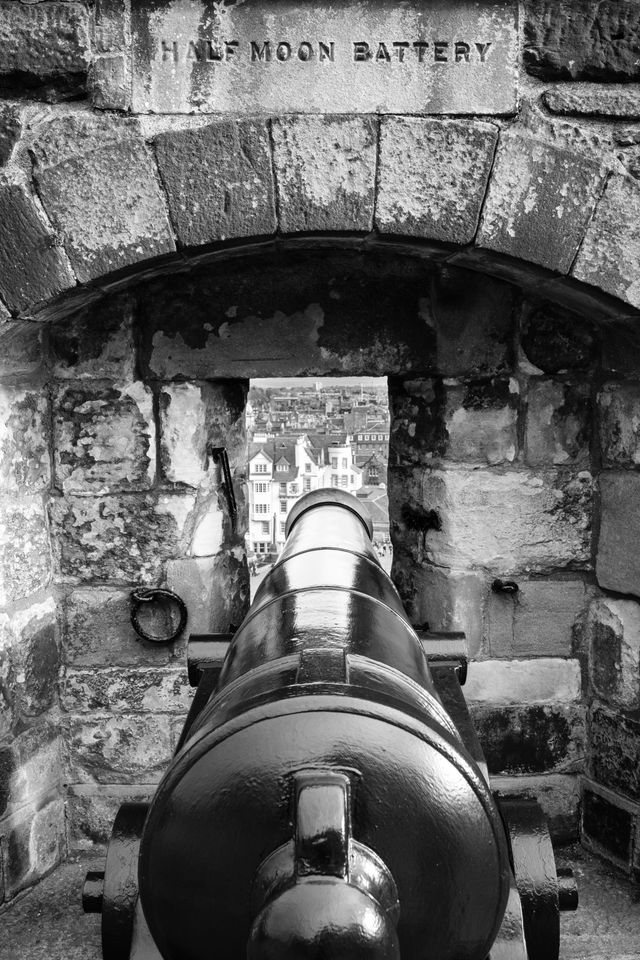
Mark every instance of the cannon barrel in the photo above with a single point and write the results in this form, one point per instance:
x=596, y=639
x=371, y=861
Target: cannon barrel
x=328, y=799
x=323, y=803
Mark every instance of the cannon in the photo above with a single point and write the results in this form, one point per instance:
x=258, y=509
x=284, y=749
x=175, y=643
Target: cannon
x=328, y=798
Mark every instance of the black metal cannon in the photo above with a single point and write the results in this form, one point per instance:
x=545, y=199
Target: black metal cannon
x=328, y=798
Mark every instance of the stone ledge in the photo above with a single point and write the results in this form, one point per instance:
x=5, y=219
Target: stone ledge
x=543, y=680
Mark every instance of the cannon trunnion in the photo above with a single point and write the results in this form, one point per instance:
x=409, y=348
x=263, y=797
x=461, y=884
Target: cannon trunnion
x=328, y=797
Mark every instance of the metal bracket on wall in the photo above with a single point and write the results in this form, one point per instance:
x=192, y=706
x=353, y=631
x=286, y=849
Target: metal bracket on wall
x=220, y=455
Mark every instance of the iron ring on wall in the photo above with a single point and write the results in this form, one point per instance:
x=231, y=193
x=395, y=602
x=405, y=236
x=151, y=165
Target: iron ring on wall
x=145, y=595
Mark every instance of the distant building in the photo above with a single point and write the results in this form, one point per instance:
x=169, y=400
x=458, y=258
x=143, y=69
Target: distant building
x=282, y=469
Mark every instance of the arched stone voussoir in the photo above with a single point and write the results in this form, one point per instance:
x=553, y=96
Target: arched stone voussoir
x=99, y=185
x=33, y=265
x=433, y=176
x=540, y=200
x=325, y=172
x=218, y=180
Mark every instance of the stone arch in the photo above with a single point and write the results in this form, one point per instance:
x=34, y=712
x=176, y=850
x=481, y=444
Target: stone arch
x=95, y=197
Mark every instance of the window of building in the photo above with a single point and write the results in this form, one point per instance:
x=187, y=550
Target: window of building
x=261, y=507
x=334, y=479
x=282, y=526
x=307, y=468
x=283, y=489
x=282, y=467
x=259, y=468
x=306, y=485
x=283, y=506
x=343, y=481
x=261, y=487
x=265, y=526
x=334, y=463
x=344, y=463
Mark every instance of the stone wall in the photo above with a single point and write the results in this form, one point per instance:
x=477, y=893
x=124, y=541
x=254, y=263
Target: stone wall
x=148, y=265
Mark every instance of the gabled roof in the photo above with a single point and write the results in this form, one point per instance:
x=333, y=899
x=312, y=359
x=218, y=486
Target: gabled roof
x=256, y=448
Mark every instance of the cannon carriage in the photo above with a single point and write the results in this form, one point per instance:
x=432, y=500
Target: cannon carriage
x=329, y=797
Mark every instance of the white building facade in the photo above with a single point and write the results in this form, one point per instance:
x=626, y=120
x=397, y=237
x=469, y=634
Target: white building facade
x=281, y=470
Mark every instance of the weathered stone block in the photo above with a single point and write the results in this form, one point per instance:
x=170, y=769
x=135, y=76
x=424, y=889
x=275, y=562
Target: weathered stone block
x=607, y=822
x=619, y=411
x=544, y=680
x=20, y=348
x=36, y=657
x=96, y=343
x=104, y=438
x=325, y=172
x=558, y=342
x=557, y=793
x=615, y=750
x=25, y=554
x=219, y=181
x=582, y=41
x=24, y=440
x=613, y=635
x=10, y=128
x=539, y=202
x=99, y=185
x=432, y=176
x=43, y=40
x=90, y=814
x=214, y=589
x=118, y=690
x=481, y=421
x=619, y=102
x=120, y=538
x=109, y=83
x=531, y=739
x=110, y=19
x=472, y=316
x=537, y=621
x=35, y=843
x=33, y=266
x=118, y=749
x=618, y=560
x=208, y=531
x=98, y=631
x=558, y=425
x=507, y=522
x=610, y=255
x=442, y=599
x=201, y=72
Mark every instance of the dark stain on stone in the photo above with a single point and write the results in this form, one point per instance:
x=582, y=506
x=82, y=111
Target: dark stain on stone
x=605, y=659
x=416, y=518
x=607, y=824
x=417, y=420
x=7, y=770
x=42, y=668
x=524, y=739
x=615, y=750
x=556, y=341
x=488, y=395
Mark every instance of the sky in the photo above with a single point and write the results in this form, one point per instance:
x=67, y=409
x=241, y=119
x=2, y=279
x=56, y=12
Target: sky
x=325, y=381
